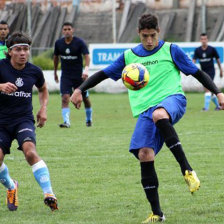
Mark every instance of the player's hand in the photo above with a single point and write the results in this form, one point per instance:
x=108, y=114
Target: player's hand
x=8, y=87
x=56, y=77
x=221, y=74
x=76, y=98
x=41, y=117
x=220, y=97
x=84, y=76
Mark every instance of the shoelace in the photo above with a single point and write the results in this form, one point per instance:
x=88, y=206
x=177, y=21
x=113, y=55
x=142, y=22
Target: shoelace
x=11, y=195
x=153, y=218
x=190, y=177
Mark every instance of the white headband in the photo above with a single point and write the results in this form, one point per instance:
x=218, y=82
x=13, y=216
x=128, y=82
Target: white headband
x=15, y=45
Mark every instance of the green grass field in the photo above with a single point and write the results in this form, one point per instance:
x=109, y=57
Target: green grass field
x=96, y=179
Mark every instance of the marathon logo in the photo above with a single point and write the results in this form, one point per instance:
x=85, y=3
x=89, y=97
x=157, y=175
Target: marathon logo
x=205, y=59
x=18, y=94
x=150, y=62
x=68, y=57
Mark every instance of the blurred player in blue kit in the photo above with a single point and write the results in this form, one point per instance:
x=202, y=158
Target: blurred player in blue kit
x=158, y=106
x=71, y=49
x=206, y=54
x=17, y=78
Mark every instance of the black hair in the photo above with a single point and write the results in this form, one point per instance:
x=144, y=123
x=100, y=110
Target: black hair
x=203, y=34
x=67, y=24
x=148, y=21
x=17, y=38
x=3, y=22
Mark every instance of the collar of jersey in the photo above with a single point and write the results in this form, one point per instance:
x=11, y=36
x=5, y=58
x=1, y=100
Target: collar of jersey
x=142, y=52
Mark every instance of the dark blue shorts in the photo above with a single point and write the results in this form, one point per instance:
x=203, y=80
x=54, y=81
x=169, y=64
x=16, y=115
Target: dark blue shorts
x=67, y=85
x=22, y=132
x=146, y=133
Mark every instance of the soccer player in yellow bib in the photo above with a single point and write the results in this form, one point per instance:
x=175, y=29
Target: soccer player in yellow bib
x=158, y=106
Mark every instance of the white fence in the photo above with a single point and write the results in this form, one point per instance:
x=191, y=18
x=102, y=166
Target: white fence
x=109, y=86
x=104, y=54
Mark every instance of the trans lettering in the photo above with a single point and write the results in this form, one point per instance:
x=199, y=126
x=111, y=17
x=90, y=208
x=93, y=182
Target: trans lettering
x=108, y=56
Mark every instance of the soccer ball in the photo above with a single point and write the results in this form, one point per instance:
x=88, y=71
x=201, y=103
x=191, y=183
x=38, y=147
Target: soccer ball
x=135, y=76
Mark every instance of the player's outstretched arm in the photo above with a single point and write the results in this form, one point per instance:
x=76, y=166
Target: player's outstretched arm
x=92, y=81
x=207, y=82
x=42, y=113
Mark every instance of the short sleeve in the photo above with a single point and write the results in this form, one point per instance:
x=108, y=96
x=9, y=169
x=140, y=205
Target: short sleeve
x=195, y=57
x=84, y=48
x=40, y=79
x=215, y=53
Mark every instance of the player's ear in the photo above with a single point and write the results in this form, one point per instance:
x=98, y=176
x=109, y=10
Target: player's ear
x=138, y=31
x=158, y=30
x=10, y=52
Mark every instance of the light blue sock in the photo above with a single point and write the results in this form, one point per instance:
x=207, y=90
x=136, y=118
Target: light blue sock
x=5, y=179
x=42, y=176
x=207, y=100
x=215, y=101
x=66, y=115
x=88, y=114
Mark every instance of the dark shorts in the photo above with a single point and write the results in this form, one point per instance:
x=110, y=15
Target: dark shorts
x=22, y=132
x=146, y=133
x=67, y=86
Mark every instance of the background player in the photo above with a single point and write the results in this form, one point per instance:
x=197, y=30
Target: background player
x=71, y=49
x=4, y=32
x=158, y=106
x=17, y=78
x=206, y=54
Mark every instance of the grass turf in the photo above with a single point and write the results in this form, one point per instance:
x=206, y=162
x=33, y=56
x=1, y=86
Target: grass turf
x=96, y=179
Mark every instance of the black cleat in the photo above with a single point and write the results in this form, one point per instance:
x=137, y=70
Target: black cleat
x=88, y=123
x=64, y=125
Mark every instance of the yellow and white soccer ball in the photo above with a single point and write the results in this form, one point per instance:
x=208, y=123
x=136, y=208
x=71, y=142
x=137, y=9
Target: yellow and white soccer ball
x=135, y=76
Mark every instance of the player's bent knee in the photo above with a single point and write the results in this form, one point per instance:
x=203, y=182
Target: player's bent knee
x=146, y=154
x=29, y=149
x=159, y=114
x=31, y=155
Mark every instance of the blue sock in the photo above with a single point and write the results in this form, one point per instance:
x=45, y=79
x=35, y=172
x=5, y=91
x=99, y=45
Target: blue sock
x=207, y=100
x=5, y=179
x=42, y=176
x=88, y=114
x=66, y=114
x=215, y=101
